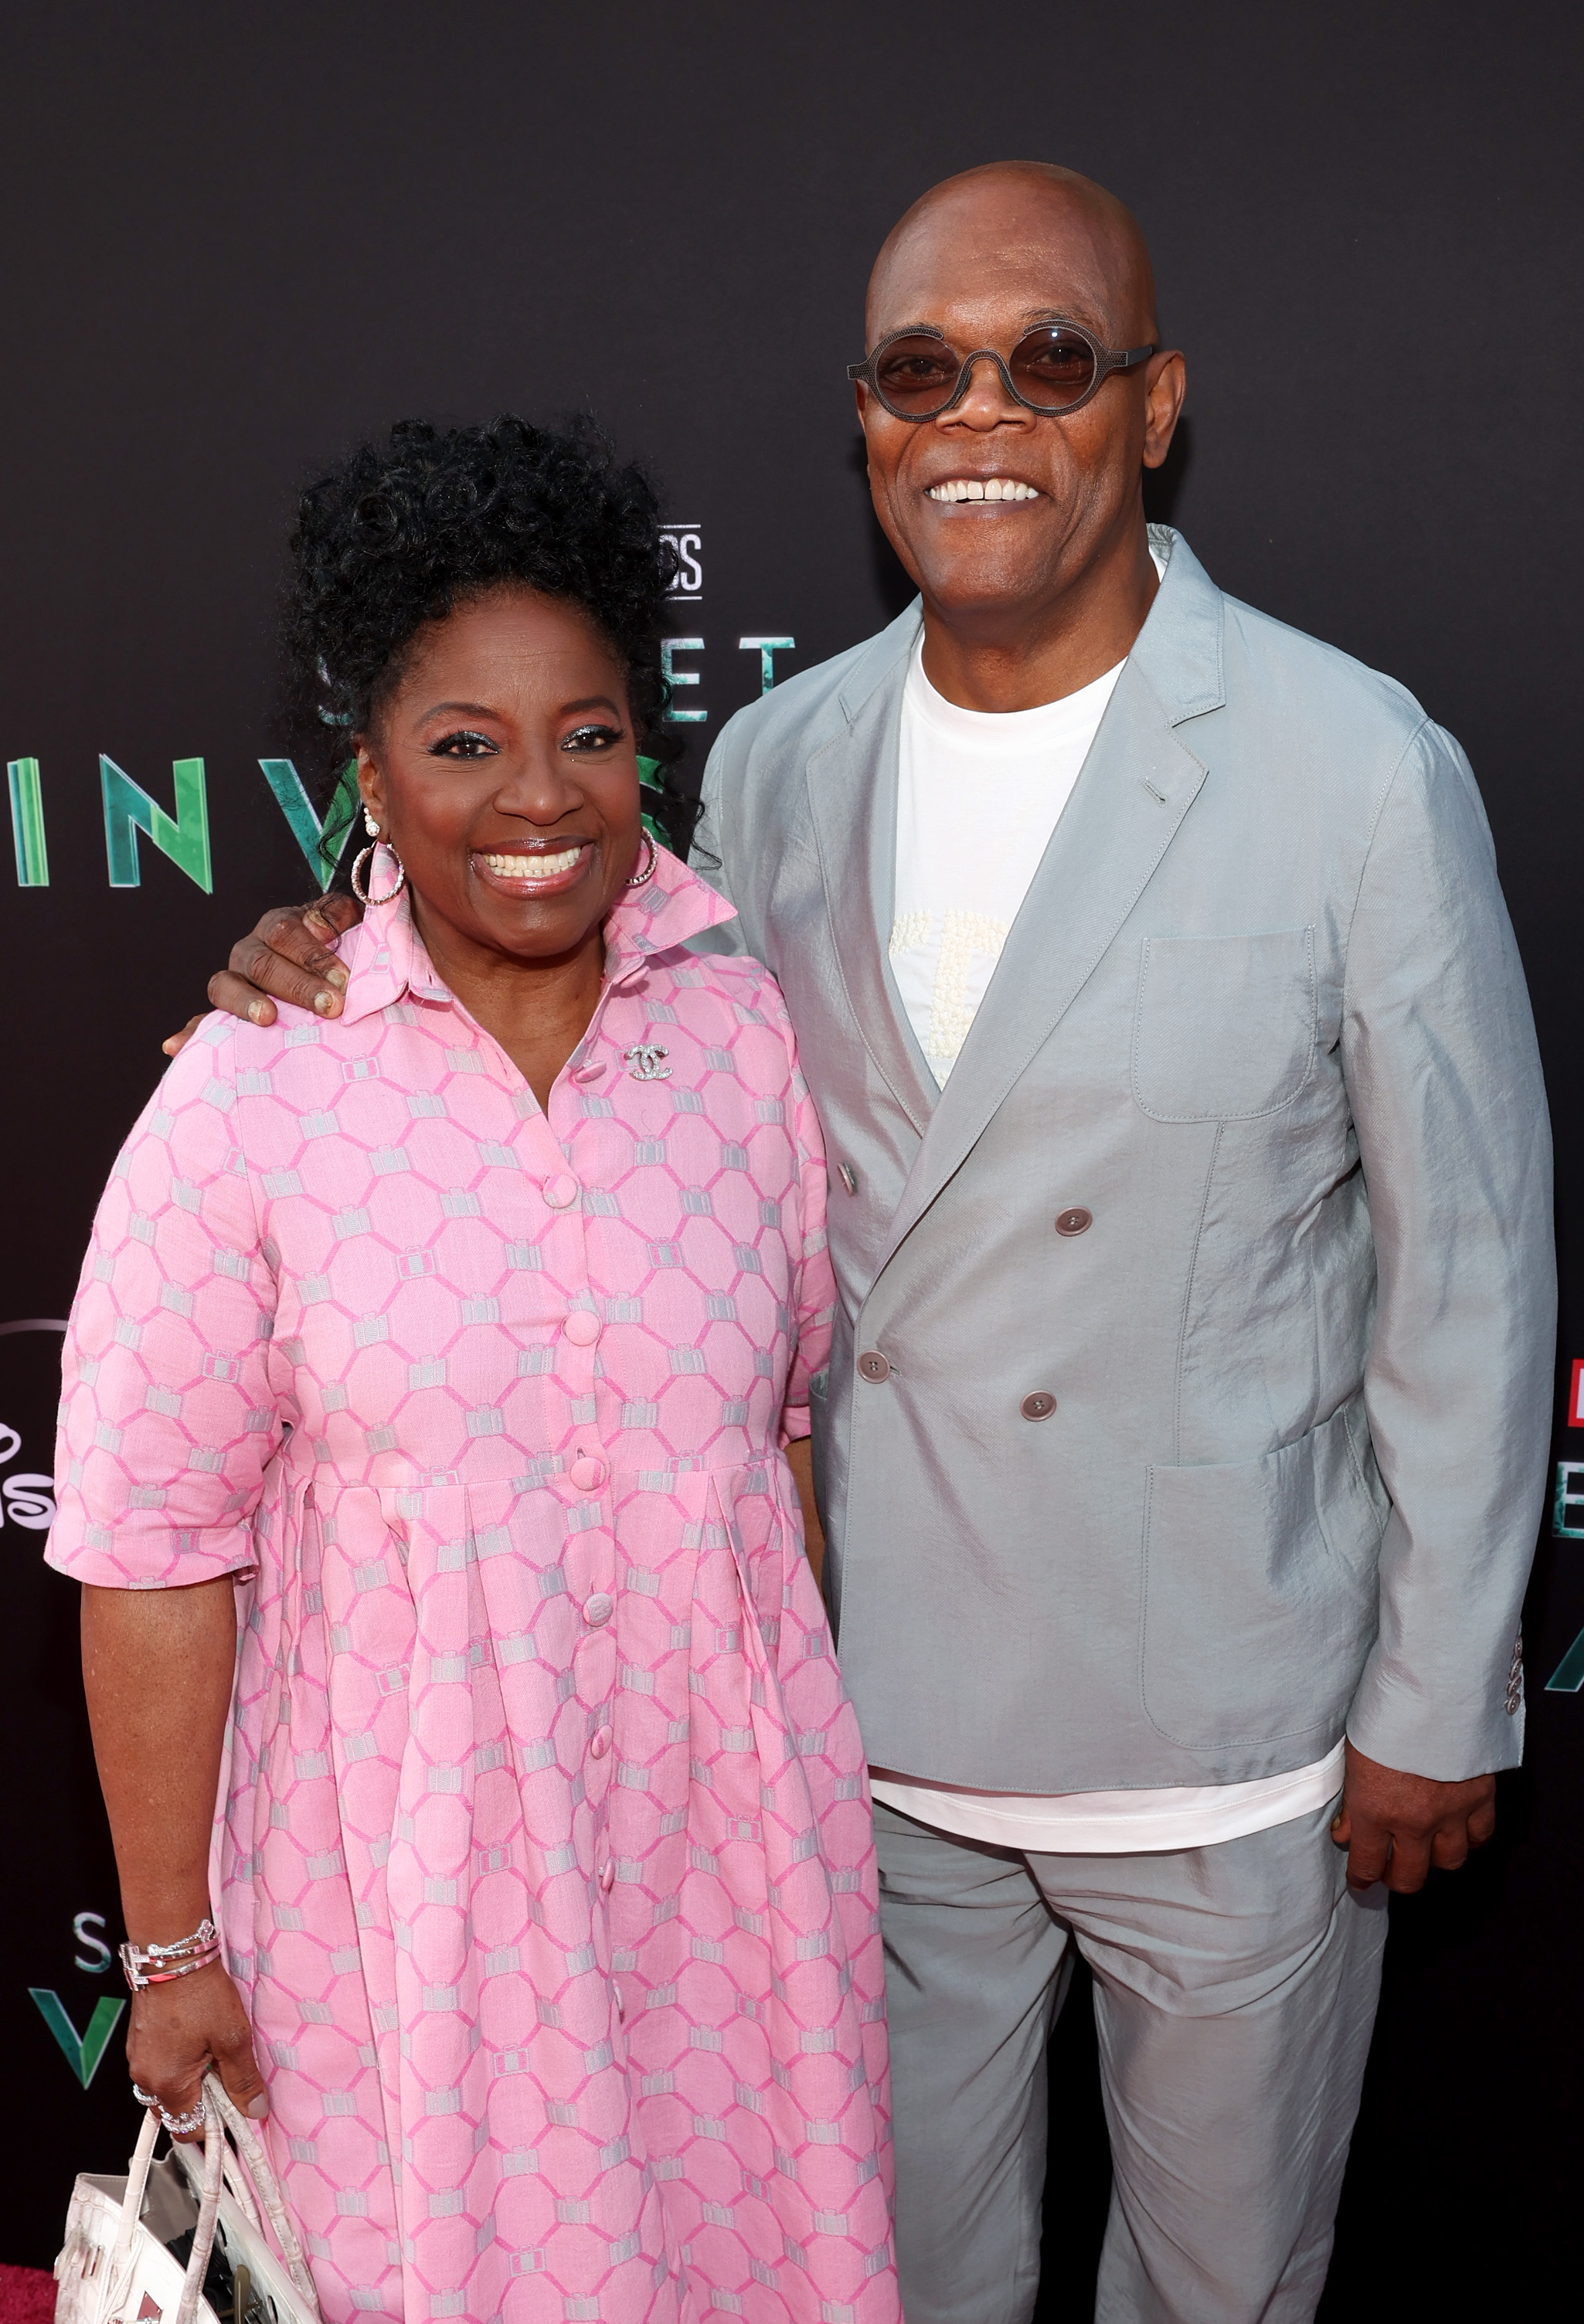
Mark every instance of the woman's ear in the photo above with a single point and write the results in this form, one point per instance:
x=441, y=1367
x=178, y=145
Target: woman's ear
x=371, y=785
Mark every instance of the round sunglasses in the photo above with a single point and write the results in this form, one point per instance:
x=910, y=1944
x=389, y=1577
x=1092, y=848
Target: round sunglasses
x=1055, y=368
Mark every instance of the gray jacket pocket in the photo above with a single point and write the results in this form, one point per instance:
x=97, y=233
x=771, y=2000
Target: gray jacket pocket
x=1260, y=1588
x=1225, y=1026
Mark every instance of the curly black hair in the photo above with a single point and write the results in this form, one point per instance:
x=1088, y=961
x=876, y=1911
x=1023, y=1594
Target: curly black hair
x=404, y=529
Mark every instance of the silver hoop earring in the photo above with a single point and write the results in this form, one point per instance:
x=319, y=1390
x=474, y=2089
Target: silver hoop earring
x=360, y=877
x=648, y=872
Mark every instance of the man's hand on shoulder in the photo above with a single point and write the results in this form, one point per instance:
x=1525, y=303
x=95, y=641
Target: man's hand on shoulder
x=290, y=955
x=1395, y=1827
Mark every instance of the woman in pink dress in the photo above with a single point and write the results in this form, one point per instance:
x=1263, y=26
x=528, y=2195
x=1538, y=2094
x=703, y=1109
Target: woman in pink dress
x=445, y=1353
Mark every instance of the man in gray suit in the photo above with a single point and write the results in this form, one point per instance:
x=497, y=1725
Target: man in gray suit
x=1181, y=1450
x=1191, y=1208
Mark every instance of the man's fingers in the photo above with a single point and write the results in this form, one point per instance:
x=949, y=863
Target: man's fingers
x=306, y=938
x=1402, y=1823
x=1409, y=1869
x=289, y=953
x=1368, y=1853
x=238, y=998
x=314, y=982
x=1341, y=1827
x=175, y=1043
x=257, y=969
x=1449, y=1848
x=1482, y=1824
x=340, y=909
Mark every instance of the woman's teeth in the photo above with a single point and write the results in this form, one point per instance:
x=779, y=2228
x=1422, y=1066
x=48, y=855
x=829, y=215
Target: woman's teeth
x=533, y=867
x=985, y=488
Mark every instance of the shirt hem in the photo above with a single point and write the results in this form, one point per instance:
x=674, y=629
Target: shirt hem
x=1077, y=1823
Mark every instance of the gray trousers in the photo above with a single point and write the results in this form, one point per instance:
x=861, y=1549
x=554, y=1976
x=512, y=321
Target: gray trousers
x=1235, y=1989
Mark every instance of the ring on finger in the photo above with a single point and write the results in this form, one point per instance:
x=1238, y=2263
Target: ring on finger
x=179, y=2125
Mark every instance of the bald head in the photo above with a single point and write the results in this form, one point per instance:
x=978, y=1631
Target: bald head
x=1023, y=222
x=1022, y=523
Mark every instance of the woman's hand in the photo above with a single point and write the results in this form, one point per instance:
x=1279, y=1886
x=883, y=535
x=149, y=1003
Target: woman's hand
x=290, y=954
x=180, y=2030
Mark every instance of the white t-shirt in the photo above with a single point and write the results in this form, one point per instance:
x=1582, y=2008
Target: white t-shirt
x=979, y=797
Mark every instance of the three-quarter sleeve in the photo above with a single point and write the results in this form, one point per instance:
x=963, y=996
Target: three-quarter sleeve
x=169, y=1417
x=814, y=1308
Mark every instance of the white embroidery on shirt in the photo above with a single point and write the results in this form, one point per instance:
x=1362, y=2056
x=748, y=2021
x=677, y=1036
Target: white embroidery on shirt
x=963, y=935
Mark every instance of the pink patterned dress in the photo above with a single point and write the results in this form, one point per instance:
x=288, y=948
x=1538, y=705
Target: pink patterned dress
x=544, y=1863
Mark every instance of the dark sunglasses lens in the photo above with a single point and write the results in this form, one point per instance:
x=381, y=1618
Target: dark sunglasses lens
x=917, y=375
x=1053, y=367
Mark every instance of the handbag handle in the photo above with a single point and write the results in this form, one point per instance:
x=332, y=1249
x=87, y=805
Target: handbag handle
x=262, y=2171
x=114, y=2282
x=203, y=2240
x=137, y=2180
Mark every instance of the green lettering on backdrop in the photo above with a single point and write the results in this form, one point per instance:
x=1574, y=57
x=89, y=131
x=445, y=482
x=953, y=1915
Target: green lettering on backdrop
x=1568, y=1678
x=649, y=778
x=27, y=824
x=321, y=843
x=83, y=2051
x=129, y=809
x=768, y=647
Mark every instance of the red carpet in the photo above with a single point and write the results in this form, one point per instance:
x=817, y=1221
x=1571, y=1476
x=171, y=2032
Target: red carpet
x=27, y=2295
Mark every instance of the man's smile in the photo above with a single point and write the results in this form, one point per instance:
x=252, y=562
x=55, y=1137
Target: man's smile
x=982, y=488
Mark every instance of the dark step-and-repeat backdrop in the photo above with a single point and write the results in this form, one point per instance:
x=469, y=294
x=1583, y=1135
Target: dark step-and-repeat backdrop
x=236, y=239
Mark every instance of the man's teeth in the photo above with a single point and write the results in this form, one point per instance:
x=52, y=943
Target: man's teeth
x=988, y=488
x=533, y=867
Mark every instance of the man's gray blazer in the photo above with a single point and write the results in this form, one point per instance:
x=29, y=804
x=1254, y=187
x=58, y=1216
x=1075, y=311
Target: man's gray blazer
x=1261, y=1017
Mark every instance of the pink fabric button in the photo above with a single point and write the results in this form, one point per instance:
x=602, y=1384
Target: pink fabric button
x=561, y=1192
x=586, y=1474
x=591, y=1072
x=582, y=1328
x=598, y=1610
x=599, y=1743
x=608, y=1875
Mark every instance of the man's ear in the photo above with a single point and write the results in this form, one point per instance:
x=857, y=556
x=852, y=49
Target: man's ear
x=1166, y=384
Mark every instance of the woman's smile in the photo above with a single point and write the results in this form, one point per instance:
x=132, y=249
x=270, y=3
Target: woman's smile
x=546, y=869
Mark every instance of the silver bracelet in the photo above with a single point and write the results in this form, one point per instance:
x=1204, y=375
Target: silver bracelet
x=147, y=1965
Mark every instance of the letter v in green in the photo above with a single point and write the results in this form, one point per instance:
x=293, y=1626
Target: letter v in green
x=83, y=2051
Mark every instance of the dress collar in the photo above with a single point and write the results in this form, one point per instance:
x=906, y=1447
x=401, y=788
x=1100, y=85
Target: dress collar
x=391, y=963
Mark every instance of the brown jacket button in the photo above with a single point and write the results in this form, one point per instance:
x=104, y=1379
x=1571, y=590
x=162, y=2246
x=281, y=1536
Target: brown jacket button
x=1039, y=1405
x=1071, y=1222
x=873, y=1366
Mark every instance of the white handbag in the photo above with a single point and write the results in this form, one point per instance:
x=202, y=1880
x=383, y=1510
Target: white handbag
x=117, y=2267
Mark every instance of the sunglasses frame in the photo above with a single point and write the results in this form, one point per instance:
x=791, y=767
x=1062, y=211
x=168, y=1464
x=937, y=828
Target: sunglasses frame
x=1106, y=361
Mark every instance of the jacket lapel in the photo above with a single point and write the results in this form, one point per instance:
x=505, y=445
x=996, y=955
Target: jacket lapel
x=853, y=800
x=1137, y=784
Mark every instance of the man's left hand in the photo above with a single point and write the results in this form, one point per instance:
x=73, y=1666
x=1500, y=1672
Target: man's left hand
x=1395, y=1827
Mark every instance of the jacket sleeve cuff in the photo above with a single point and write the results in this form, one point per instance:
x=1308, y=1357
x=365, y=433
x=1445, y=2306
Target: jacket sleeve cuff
x=1448, y=1741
